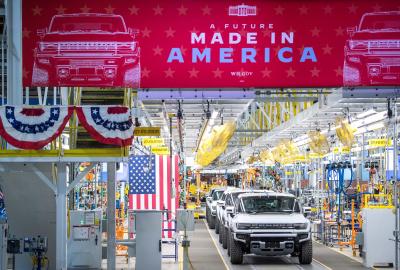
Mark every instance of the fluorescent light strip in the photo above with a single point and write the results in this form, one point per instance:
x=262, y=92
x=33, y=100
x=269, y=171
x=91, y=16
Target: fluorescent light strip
x=365, y=114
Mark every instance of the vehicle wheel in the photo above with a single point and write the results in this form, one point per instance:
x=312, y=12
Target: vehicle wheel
x=208, y=216
x=228, y=242
x=131, y=77
x=221, y=233
x=225, y=239
x=351, y=76
x=217, y=225
x=40, y=77
x=212, y=222
x=305, y=256
x=235, y=250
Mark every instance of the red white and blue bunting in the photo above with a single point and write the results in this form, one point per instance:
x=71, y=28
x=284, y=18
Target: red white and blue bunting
x=28, y=127
x=32, y=128
x=108, y=125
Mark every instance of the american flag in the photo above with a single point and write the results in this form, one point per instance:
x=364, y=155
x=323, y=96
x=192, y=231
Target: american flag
x=151, y=186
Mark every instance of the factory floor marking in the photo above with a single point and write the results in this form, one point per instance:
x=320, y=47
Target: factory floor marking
x=289, y=262
x=215, y=244
x=337, y=251
x=320, y=263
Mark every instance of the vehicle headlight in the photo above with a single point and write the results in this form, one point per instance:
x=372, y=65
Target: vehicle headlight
x=358, y=45
x=213, y=207
x=47, y=46
x=130, y=60
x=301, y=226
x=354, y=59
x=127, y=46
x=243, y=226
x=133, y=46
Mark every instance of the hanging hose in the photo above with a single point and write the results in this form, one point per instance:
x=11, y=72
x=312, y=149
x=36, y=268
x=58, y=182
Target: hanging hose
x=336, y=184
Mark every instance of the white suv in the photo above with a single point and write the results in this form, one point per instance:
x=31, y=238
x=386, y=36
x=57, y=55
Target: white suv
x=269, y=224
x=228, y=205
x=211, y=208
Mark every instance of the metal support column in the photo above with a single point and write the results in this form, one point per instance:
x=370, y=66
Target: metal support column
x=395, y=165
x=111, y=188
x=170, y=160
x=61, y=217
x=362, y=156
x=14, y=51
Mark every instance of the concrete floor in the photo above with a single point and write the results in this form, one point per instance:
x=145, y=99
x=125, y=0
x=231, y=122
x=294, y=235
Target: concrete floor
x=204, y=256
x=206, y=253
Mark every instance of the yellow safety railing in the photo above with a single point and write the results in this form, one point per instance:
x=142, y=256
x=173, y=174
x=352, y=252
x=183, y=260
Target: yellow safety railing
x=377, y=201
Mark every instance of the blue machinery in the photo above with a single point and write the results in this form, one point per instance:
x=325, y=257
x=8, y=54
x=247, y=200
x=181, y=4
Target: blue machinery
x=337, y=186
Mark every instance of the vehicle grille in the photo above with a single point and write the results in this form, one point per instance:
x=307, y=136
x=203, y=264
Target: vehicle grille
x=272, y=239
x=384, y=44
x=272, y=226
x=392, y=61
x=87, y=46
x=87, y=62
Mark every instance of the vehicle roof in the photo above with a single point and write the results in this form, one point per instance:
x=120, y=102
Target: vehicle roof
x=218, y=189
x=250, y=191
x=87, y=15
x=266, y=194
x=383, y=13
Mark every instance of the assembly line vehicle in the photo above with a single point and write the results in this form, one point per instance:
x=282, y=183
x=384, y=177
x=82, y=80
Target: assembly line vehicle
x=268, y=224
x=372, y=52
x=223, y=219
x=211, y=206
x=87, y=49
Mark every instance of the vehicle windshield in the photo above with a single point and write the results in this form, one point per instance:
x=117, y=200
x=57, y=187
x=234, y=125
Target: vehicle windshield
x=217, y=194
x=268, y=204
x=380, y=22
x=87, y=24
x=235, y=195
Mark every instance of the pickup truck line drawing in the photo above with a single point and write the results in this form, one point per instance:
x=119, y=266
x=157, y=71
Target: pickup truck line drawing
x=87, y=49
x=372, y=52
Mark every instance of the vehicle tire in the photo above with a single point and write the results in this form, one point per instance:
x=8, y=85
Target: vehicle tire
x=208, y=215
x=228, y=242
x=221, y=233
x=212, y=222
x=225, y=239
x=40, y=77
x=305, y=256
x=236, y=251
x=217, y=222
x=351, y=75
x=131, y=77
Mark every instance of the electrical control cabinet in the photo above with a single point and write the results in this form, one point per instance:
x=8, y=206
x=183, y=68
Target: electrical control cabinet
x=84, y=240
x=3, y=245
x=378, y=244
x=148, y=239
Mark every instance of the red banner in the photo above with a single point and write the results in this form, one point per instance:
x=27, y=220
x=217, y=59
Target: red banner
x=200, y=44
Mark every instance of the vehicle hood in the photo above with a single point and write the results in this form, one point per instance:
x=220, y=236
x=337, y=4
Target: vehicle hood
x=270, y=218
x=380, y=35
x=87, y=37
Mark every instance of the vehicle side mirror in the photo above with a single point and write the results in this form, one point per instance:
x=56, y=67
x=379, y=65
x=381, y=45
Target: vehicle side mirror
x=351, y=30
x=208, y=199
x=229, y=210
x=221, y=203
x=41, y=32
x=132, y=31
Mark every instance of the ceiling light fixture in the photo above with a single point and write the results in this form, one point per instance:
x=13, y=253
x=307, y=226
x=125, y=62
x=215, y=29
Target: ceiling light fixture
x=365, y=114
